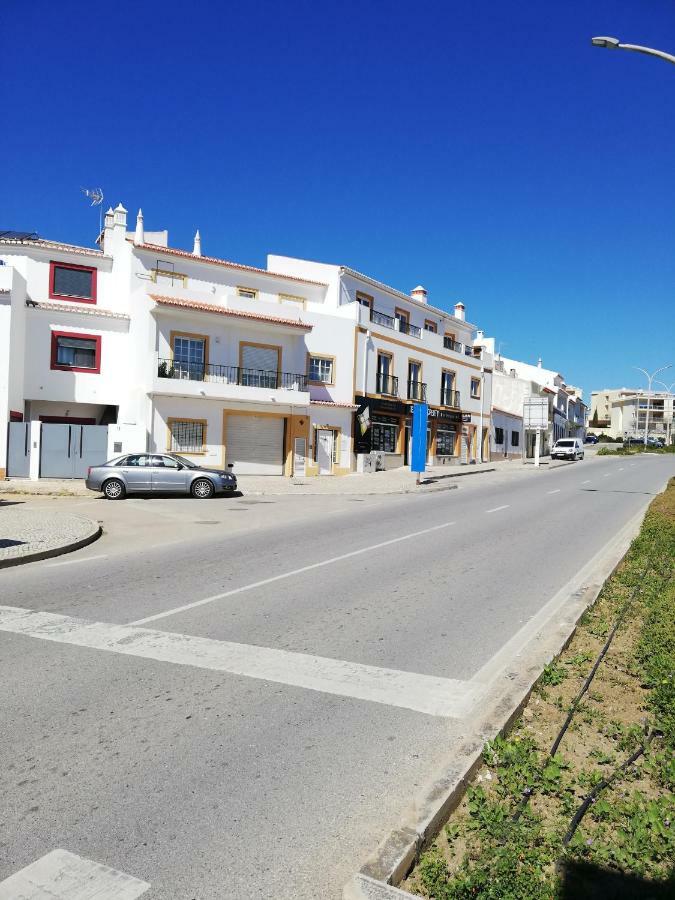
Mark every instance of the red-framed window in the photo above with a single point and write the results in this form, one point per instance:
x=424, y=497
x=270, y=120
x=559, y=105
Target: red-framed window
x=70, y=282
x=73, y=352
x=15, y=416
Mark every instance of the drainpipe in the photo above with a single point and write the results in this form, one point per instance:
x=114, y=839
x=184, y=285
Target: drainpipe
x=482, y=389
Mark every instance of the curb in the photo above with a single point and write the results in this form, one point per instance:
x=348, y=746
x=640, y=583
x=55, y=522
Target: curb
x=94, y=535
x=431, y=489
x=509, y=678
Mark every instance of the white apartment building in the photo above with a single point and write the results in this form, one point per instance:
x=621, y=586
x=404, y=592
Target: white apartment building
x=139, y=346
x=622, y=412
x=407, y=350
x=513, y=381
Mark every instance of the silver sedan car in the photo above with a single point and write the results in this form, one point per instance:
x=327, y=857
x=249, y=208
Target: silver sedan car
x=150, y=473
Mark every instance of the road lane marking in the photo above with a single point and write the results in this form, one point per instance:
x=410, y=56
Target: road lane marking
x=61, y=875
x=588, y=481
x=309, y=568
x=606, y=475
x=556, y=491
x=70, y=562
x=497, y=508
x=444, y=697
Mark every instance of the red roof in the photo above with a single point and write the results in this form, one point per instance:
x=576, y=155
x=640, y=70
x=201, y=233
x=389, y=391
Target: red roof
x=222, y=311
x=156, y=248
x=333, y=403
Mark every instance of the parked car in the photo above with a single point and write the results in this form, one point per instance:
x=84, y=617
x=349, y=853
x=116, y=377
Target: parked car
x=591, y=439
x=568, y=448
x=636, y=441
x=168, y=473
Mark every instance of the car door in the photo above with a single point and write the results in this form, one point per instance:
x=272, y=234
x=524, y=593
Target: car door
x=168, y=476
x=138, y=473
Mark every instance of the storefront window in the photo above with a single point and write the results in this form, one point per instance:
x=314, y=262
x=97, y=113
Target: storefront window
x=384, y=433
x=445, y=442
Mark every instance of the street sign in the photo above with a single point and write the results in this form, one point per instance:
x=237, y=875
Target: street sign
x=535, y=412
x=418, y=457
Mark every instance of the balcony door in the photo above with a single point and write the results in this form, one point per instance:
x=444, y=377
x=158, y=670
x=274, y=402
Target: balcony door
x=189, y=357
x=260, y=364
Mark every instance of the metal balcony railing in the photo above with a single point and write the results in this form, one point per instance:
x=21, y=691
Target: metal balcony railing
x=387, y=384
x=450, y=398
x=379, y=318
x=261, y=378
x=417, y=390
x=407, y=328
x=451, y=344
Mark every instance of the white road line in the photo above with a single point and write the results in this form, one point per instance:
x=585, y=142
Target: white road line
x=61, y=875
x=606, y=475
x=621, y=469
x=497, y=508
x=588, y=481
x=556, y=491
x=70, y=562
x=309, y=568
x=428, y=694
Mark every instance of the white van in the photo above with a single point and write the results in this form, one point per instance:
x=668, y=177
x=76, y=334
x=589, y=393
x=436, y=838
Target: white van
x=568, y=448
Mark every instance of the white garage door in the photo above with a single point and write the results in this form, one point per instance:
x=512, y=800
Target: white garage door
x=255, y=444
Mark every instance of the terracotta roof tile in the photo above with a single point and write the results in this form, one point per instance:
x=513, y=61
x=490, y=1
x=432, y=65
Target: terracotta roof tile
x=333, y=403
x=223, y=311
x=213, y=260
x=83, y=309
x=53, y=245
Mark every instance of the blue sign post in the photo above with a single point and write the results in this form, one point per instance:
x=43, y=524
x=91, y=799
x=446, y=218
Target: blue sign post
x=418, y=457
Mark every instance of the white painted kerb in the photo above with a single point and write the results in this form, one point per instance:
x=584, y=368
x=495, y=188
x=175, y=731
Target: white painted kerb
x=61, y=875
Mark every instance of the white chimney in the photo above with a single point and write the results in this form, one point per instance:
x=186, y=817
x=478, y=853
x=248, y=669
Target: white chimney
x=480, y=336
x=139, y=234
x=419, y=294
x=109, y=216
x=539, y=363
x=460, y=311
x=120, y=216
x=197, y=249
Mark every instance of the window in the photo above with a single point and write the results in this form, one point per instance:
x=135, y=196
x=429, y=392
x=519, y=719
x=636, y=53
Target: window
x=475, y=388
x=499, y=435
x=321, y=369
x=189, y=355
x=384, y=433
x=248, y=293
x=430, y=326
x=187, y=435
x=364, y=299
x=69, y=282
x=138, y=459
x=76, y=352
x=290, y=298
x=384, y=361
x=445, y=442
x=403, y=319
x=515, y=438
x=448, y=395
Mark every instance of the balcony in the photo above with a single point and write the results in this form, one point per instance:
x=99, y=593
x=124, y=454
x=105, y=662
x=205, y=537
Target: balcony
x=379, y=318
x=235, y=382
x=417, y=390
x=407, y=328
x=451, y=344
x=450, y=398
x=387, y=384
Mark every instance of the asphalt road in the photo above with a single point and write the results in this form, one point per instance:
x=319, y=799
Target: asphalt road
x=261, y=743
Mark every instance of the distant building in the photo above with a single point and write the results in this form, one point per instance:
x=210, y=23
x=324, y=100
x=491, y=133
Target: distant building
x=622, y=412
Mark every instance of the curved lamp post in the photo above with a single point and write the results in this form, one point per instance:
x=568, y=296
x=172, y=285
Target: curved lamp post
x=612, y=43
x=669, y=424
x=650, y=379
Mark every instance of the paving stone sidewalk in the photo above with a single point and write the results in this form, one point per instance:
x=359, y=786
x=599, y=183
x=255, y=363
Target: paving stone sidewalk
x=27, y=534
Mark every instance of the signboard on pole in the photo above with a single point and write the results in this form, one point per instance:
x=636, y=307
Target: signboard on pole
x=535, y=412
x=418, y=456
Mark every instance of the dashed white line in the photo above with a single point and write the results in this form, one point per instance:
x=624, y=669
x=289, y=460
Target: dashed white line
x=309, y=568
x=435, y=696
x=61, y=875
x=70, y=562
x=497, y=508
x=556, y=491
x=606, y=475
x=588, y=481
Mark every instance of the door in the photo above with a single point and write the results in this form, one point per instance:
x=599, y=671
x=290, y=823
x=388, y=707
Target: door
x=18, y=450
x=67, y=451
x=299, y=457
x=90, y=447
x=137, y=470
x=325, y=446
x=167, y=476
x=255, y=444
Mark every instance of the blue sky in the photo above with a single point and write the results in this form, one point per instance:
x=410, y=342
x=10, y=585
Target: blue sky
x=483, y=149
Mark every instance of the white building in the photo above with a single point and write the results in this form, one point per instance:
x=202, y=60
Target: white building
x=622, y=412
x=407, y=350
x=140, y=346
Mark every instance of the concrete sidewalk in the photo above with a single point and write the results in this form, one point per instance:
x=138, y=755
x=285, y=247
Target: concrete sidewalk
x=395, y=481
x=27, y=535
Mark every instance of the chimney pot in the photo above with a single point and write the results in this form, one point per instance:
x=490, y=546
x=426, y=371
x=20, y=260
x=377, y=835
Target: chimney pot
x=120, y=216
x=197, y=248
x=139, y=234
x=419, y=293
x=460, y=311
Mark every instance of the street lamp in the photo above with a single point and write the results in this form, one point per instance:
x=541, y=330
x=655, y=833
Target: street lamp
x=669, y=422
x=612, y=43
x=650, y=379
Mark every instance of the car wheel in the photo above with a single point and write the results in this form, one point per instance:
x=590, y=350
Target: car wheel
x=114, y=489
x=202, y=489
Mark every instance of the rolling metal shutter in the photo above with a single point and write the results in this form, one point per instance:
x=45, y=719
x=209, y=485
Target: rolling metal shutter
x=264, y=358
x=255, y=444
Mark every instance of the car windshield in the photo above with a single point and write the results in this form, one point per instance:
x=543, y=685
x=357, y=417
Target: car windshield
x=565, y=444
x=185, y=462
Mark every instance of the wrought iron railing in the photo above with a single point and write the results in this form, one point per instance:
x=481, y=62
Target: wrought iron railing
x=387, y=384
x=261, y=378
x=450, y=398
x=407, y=328
x=451, y=344
x=381, y=319
x=417, y=390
